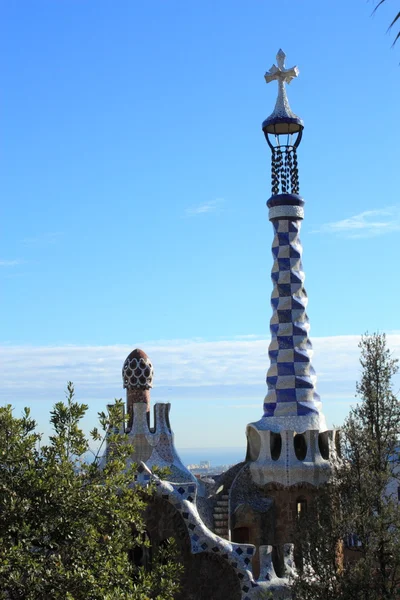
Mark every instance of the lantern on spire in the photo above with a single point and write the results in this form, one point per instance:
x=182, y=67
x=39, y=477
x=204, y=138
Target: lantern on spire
x=283, y=131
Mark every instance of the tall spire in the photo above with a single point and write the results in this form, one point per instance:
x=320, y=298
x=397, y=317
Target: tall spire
x=291, y=401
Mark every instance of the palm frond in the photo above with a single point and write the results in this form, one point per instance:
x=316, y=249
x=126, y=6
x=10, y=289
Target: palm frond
x=394, y=20
x=378, y=5
x=397, y=17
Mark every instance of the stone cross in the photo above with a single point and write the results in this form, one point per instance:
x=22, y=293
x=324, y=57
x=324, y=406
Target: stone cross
x=279, y=72
x=282, y=76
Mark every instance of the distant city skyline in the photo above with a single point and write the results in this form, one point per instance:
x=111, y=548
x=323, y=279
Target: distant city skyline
x=135, y=176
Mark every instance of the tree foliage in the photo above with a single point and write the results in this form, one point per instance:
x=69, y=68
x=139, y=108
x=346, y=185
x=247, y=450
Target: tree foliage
x=350, y=541
x=66, y=526
x=395, y=21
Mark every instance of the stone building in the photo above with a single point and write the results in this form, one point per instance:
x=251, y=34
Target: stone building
x=234, y=532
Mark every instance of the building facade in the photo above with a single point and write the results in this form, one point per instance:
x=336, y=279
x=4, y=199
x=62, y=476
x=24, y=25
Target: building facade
x=234, y=532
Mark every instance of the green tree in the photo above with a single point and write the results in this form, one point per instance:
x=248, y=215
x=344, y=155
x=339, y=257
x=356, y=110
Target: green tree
x=67, y=526
x=350, y=541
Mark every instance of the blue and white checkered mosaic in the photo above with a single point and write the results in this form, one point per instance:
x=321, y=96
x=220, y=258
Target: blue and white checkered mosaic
x=291, y=378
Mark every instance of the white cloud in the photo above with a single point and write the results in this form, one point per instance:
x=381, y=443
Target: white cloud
x=178, y=364
x=212, y=206
x=370, y=223
x=188, y=374
x=224, y=379
x=10, y=263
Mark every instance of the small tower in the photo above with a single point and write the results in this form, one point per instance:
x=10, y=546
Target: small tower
x=137, y=377
x=152, y=445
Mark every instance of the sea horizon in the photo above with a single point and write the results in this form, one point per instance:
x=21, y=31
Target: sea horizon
x=216, y=456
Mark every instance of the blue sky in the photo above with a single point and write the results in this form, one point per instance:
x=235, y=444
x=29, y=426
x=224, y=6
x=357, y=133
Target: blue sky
x=134, y=180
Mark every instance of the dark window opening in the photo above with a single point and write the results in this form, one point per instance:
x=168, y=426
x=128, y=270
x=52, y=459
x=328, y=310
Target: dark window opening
x=276, y=445
x=301, y=507
x=323, y=444
x=241, y=535
x=300, y=446
x=278, y=560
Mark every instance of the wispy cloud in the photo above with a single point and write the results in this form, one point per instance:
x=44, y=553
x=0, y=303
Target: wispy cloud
x=178, y=363
x=224, y=378
x=10, y=263
x=370, y=223
x=212, y=206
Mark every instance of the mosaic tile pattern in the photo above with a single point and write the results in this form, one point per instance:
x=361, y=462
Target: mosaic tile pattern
x=137, y=371
x=155, y=446
x=239, y=556
x=287, y=469
x=291, y=378
x=245, y=492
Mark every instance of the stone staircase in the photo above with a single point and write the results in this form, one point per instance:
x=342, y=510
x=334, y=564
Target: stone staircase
x=221, y=516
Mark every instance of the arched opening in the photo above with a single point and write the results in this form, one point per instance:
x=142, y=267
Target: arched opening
x=253, y=444
x=300, y=446
x=278, y=560
x=323, y=445
x=276, y=445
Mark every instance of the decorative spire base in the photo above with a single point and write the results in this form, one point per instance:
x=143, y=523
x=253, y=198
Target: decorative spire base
x=298, y=423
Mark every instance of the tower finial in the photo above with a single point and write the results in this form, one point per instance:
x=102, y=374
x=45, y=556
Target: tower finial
x=283, y=130
x=283, y=119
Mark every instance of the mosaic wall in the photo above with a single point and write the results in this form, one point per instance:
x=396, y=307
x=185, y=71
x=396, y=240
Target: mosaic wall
x=238, y=556
x=155, y=446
